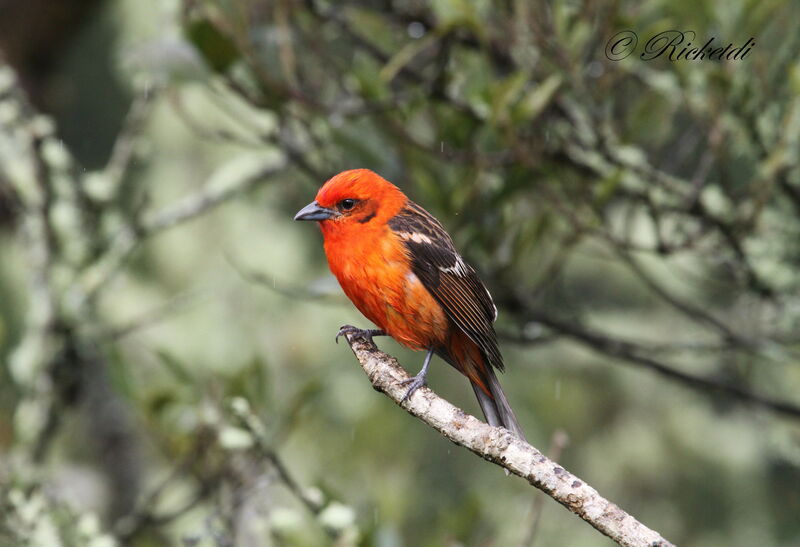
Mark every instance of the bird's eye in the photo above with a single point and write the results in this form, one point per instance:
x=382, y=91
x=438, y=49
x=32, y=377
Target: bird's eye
x=347, y=204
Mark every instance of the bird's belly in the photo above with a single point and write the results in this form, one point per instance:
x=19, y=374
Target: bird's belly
x=392, y=296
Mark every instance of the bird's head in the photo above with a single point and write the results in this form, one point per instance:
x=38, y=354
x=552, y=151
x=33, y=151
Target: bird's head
x=354, y=197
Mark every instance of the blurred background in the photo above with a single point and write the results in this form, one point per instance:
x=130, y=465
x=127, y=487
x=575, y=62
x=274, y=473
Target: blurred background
x=169, y=375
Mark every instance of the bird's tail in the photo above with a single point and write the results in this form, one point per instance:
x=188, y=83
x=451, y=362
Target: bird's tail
x=465, y=356
x=496, y=408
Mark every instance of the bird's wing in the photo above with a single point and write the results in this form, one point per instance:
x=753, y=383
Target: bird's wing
x=450, y=280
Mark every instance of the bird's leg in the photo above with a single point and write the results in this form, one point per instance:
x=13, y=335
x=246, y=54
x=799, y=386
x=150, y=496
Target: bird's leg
x=363, y=333
x=418, y=380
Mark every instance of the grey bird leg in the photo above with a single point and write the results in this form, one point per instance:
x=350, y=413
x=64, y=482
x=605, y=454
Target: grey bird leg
x=418, y=380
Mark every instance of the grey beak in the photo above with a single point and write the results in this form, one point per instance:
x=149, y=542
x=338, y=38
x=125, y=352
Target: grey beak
x=315, y=211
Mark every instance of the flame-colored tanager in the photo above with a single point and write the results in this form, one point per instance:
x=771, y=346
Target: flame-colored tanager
x=398, y=265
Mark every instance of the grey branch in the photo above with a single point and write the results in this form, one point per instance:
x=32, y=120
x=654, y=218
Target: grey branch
x=229, y=181
x=498, y=446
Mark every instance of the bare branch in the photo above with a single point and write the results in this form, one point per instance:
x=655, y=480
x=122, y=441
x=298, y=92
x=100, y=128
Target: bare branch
x=224, y=185
x=632, y=353
x=216, y=193
x=262, y=446
x=498, y=446
x=250, y=422
x=124, y=147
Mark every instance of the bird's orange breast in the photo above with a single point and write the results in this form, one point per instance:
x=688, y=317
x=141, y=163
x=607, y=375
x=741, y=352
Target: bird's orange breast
x=375, y=273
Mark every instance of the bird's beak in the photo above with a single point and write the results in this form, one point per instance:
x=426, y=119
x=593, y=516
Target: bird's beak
x=315, y=211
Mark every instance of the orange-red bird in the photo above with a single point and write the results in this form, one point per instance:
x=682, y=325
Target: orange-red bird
x=397, y=264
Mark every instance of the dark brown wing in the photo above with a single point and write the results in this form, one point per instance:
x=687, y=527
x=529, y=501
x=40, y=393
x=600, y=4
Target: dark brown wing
x=451, y=281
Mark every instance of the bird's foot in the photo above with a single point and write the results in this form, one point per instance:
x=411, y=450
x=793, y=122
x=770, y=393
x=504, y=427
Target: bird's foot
x=414, y=383
x=363, y=333
x=419, y=380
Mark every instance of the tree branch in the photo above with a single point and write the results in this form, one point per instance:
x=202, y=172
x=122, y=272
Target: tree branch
x=498, y=446
x=229, y=181
x=632, y=353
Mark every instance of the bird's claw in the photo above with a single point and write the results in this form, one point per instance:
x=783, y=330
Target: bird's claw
x=416, y=382
x=344, y=330
x=363, y=333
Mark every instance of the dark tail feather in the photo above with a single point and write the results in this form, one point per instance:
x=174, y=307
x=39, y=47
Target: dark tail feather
x=469, y=360
x=497, y=411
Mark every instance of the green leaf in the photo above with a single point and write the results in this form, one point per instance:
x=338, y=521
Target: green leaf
x=218, y=51
x=539, y=97
x=505, y=94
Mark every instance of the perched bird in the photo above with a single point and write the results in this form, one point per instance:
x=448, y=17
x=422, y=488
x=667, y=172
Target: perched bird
x=399, y=267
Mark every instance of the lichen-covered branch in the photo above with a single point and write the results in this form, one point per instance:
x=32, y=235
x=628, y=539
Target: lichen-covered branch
x=504, y=449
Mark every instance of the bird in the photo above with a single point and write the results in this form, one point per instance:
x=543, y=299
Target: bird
x=400, y=268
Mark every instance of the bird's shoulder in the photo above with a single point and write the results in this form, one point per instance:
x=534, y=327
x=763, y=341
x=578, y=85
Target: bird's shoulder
x=416, y=225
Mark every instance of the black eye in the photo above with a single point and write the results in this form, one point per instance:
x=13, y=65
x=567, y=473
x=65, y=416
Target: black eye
x=347, y=204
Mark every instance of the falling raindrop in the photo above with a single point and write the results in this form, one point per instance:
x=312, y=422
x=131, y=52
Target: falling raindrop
x=595, y=69
x=416, y=30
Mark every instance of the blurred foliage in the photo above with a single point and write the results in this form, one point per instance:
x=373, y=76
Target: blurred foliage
x=167, y=332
